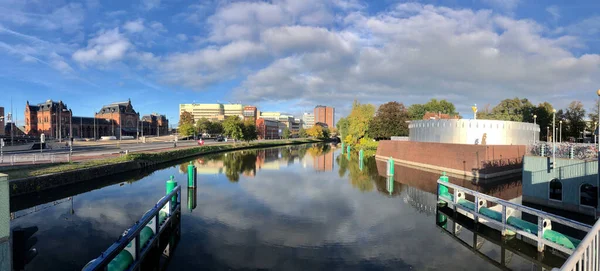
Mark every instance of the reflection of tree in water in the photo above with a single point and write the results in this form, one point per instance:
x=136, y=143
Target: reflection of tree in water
x=239, y=162
x=362, y=180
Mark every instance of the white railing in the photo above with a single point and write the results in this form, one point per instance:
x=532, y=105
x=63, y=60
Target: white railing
x=38, y=158
x=543, y=219
x=585, y=257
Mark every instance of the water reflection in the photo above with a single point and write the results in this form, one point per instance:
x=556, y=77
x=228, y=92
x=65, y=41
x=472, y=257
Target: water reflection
x=279, y=208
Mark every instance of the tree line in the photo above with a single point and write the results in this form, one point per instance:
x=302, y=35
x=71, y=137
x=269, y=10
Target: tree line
x=367, y=123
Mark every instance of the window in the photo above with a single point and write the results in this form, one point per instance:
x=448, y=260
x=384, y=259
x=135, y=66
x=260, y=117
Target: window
x=588, y=195
x=555, y=190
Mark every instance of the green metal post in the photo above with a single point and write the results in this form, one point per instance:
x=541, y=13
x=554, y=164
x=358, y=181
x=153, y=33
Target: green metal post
x=360, y=159
x=390, y=184
x=191, y=202
x=191, y=175
x=348, y=149
x=342, y=147
x=442, y=189
x=391, y=166
x=171, y=184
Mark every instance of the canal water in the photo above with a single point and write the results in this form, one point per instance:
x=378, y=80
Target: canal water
x=306, y=207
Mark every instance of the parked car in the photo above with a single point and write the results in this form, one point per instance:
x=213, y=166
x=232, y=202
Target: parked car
x=220, y=138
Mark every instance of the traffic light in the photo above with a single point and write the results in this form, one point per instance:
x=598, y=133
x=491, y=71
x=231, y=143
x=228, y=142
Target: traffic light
x=23, y=250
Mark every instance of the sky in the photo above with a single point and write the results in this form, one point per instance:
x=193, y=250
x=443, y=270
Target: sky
x=290, y=55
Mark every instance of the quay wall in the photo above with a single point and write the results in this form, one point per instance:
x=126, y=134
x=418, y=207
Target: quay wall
x=469, y=161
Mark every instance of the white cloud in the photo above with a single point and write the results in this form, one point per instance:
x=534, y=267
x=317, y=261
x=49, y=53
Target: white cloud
x=150, y=4
x=554, y=11
x=68, y=18
x=158, y=27
x=181, y=37
x=134, y=26
x=107, y=46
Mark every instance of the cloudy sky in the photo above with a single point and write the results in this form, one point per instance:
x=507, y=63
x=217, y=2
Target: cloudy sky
x=290, y=55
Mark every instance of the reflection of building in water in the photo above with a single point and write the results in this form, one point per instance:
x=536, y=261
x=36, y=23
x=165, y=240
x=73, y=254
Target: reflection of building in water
x=421, y=201
x=324, y=162
x=507, y=188
x=208, y=167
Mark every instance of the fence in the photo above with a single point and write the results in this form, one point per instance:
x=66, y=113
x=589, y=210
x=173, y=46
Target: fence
x=585, y=257
x=581, y=151
x=39, y=158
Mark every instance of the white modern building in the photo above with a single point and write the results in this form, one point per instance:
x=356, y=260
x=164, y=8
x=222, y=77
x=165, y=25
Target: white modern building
x=308, y=120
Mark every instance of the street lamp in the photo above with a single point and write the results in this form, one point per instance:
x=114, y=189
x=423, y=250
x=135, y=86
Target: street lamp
x=560, y=131
x=547, y=133
x=534, y=119
x=553, y=138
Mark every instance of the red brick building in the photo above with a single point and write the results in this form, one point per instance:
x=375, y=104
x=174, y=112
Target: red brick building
x=325, y=114
x=154, y=124
x=250, y=113
x=268, y=129
x=125, y=119
x=50, y=118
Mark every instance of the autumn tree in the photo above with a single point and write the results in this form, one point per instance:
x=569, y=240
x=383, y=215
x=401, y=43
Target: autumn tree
x=316, y=131
x=342, y=127
x=358, y=122
x=390, y=120
x=516, y=109
x=302, y=133
x=186, y=124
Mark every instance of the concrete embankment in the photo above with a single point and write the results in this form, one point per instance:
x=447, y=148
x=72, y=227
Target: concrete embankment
x=137, y=161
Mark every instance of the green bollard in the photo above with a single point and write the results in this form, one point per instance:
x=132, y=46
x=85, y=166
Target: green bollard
x=191, y=202
x=348, y=149
x=342, y=147
x=390, y=185
x=360, y=159
x=391, y=166
x=191, y=175
x=171, y=184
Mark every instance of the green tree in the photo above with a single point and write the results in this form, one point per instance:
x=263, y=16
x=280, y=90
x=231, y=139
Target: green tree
x=186, y=118
x=326, y=133
x=516, y=109
x=358, y=121
x=390, y=120
x=232, y=127
x=574, y=116
x=202, y=125
x=543, y=112
x=249, y=131
x=417, y=111
x=187, y=129
x=593, y=115
x=342, y=126
x=302, y=133
x=215, y=128
x=286, y=133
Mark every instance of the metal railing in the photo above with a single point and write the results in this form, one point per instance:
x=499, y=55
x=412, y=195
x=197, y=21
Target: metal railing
x=585, y=257
x=34, y=158
x=543, y=219
x=132, y=235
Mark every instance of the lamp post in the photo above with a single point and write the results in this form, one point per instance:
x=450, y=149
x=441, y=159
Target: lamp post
x=553, y=137
x=534, y=119
x=474, y=108
x=560, y=131
x=547, y=133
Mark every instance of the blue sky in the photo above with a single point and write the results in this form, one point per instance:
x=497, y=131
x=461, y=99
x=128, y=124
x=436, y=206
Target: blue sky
x=290, y=55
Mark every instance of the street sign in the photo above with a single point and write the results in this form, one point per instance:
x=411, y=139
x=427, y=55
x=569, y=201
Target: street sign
x=42, y=138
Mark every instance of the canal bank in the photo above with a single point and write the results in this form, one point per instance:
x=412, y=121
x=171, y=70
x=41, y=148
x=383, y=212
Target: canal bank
x=67, y=174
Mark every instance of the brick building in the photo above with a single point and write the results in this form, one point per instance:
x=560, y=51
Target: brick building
x=50, y=118
x=154, y=124
x=269, y=129
x=324, y=114
x=250, y=112
x=438, y=116
x=125, y=119
x=88, y=127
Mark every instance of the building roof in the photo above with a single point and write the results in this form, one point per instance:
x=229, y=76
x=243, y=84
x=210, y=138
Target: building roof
x=438, y=116
x=118, y=107
x=48, y=105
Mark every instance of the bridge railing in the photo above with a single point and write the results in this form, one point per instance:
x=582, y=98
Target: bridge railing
x=585, y=257
x=543, y=218
x=130, y=240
